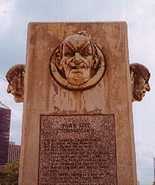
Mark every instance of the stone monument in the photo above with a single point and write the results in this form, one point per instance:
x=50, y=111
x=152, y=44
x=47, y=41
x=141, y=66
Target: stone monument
x=77, y=122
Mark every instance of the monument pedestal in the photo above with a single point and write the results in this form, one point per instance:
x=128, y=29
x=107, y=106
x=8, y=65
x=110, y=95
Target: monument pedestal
x=77, y=123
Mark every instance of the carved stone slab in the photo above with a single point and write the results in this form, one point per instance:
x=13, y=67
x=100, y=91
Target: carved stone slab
x=77, y=149
x=101, y=90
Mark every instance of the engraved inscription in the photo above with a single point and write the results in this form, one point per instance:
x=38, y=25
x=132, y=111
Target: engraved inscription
x=77, y=150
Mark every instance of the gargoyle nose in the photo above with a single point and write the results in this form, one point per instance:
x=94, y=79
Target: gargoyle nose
x=77, y=57
x=9, y=89
x=148, y=87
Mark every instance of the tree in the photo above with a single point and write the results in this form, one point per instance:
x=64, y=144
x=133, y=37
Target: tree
x=9, y=174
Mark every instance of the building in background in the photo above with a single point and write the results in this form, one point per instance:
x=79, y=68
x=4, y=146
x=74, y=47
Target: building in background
x=154, y=170
x=13, y=152
x=5, y=115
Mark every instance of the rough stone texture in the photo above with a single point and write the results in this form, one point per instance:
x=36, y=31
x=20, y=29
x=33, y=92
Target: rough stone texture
x=43, y=95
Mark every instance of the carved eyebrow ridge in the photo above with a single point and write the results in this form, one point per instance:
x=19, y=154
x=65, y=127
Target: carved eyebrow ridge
x=85, y=45
x=70, y=46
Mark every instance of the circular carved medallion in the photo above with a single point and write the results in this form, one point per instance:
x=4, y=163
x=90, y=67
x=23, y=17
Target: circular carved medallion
x=77, y=63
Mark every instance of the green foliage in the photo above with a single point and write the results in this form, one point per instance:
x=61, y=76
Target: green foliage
x=9, y=174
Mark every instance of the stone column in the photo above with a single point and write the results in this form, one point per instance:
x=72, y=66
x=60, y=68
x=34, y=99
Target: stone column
x=77, y=123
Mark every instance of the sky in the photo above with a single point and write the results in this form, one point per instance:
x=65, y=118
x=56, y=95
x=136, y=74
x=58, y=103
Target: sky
x=140, y=17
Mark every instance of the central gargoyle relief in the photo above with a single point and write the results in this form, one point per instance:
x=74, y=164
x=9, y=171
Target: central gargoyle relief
x=77, y=62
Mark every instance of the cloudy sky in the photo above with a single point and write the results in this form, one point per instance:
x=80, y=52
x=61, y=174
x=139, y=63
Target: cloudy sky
x=140, y=16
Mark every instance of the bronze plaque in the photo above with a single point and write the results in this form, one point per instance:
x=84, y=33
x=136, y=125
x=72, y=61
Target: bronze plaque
x=77, y=150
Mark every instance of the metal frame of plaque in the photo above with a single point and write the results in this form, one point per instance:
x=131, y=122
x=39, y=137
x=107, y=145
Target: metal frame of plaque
x=77, y=150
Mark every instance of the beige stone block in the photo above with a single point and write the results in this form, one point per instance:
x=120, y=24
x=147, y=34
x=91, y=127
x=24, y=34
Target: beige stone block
x=45, y=96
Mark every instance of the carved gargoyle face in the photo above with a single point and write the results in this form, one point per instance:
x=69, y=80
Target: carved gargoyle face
x=141, y=86
x=15, y=78
x=139, y=81
x=77, y=62
x=77, y=59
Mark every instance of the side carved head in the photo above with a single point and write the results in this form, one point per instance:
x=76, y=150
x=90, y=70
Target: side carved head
x=15, y=78
x=77, y=58
x=140, y=76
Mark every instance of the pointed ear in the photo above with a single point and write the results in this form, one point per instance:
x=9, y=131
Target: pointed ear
x=57, y=55
x=98, y=56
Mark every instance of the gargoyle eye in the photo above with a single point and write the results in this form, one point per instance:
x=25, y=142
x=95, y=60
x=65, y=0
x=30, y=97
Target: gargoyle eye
x=69, y=53
x=86, y=51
